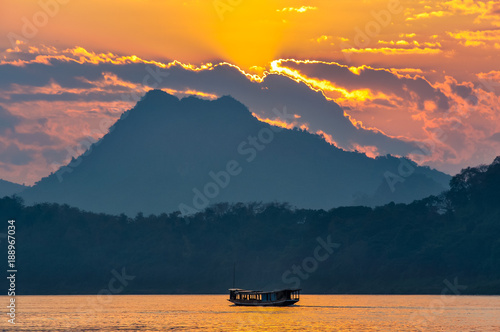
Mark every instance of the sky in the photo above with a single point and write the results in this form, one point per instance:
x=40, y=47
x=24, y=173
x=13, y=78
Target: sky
x=409, y=78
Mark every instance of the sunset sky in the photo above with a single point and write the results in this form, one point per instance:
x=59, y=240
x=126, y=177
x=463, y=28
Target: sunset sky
x=414, y=78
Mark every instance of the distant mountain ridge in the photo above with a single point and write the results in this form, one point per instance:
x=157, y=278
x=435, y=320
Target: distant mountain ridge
x=167, y=154
x=9, y=188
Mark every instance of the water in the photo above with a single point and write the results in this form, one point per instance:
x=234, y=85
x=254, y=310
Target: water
x=215, y=313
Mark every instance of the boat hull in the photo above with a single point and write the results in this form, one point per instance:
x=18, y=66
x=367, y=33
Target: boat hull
x=283, y=303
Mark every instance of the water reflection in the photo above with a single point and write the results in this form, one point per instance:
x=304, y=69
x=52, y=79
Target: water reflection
x=215, y=313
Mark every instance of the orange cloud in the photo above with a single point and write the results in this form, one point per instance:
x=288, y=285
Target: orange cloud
x=456, y=135
x=302, y=9
x=439, y=13
x=406, y=72
x=191, y=92
x=321, y=39
x=490, y=80
x=478, y=38
x=484, y=10
x=327, y=138
x=394, y=51
x=369, y=150
x=277, y=122
x=323, y=85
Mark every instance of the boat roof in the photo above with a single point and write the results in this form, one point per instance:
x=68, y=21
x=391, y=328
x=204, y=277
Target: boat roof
x=239, y=290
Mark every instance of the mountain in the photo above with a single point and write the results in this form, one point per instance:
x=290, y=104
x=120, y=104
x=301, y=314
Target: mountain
x=9, y=188
x=167, y=154
x=446, y=244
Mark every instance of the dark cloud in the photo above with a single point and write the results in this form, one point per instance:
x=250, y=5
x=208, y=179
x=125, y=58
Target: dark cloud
x=39, y=74
x=495, y=137
x=465, y=92
x=8, y=120
x=67, y=74
x=12, y=154
x=375, y=80
x=383, y=102
x=43, y=121
x=38, y=138
x=64, y=96
x=57, y=156
x=495, y=9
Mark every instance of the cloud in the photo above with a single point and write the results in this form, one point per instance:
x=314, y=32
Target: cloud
x=74, y=94
x=39, y=138
x=394, y=51
x=13, y=155
x=481, y=10
x=365, y=78
x=490, y=81
x=55, y=155
x=495, y=137
x=302, y=9
x=448, y=120
x=8, y=121
x=438, y=13
x=465, y=92
x=321, y=39
x=478, y=38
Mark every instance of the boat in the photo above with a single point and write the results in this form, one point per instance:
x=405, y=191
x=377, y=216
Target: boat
x=278, y=298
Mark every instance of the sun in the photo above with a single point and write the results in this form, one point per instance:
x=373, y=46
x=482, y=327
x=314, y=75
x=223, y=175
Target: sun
x=249, y=33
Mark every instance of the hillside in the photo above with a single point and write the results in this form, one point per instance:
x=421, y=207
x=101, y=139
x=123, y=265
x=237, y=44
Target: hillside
x=8, y=188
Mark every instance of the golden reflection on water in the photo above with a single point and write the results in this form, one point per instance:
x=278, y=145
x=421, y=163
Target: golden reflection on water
x=215, y=313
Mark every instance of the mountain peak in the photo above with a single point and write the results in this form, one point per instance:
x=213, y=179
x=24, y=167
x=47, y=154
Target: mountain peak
x=157, y=100
x=159, y=95
x=167, y=153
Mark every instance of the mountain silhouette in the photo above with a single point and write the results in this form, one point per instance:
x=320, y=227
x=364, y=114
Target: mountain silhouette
x=167, y=155
x=9, y=188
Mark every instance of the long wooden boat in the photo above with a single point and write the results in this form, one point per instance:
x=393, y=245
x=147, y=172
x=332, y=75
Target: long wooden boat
x=284, y=297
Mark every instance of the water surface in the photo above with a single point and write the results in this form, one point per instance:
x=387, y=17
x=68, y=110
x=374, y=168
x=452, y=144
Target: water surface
x=215, y=313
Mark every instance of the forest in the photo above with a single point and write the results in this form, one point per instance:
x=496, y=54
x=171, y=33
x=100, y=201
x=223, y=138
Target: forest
x=392, y=249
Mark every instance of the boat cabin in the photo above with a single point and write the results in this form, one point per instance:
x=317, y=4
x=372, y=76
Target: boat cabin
x=282, y=297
